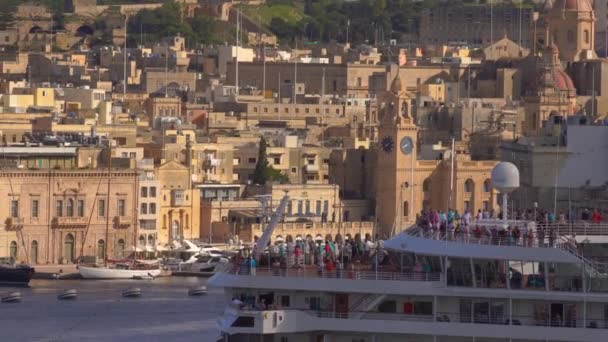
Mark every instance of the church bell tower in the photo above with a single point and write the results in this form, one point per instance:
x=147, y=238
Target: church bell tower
x=396, y=162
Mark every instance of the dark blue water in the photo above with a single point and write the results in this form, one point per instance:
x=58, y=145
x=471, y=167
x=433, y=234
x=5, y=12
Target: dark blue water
x=164, y=312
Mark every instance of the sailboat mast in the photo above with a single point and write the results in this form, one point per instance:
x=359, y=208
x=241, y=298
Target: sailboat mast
x=135, y=213
x=107, y=204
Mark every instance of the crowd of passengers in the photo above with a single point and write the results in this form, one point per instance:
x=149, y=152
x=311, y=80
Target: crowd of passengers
x=450, y=224
x=326, y=256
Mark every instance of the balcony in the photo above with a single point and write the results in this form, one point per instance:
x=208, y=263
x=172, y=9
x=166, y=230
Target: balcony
x=13, y=223
x=122, y=222
x=72, y=222
x=312, y=168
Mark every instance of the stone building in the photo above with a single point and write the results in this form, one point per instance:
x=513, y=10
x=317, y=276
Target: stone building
x=476, y=23
x=53, y=217
x=404, y=184
x=569, y=24
x=552, y=91
x=179, y=204
x=302, y=164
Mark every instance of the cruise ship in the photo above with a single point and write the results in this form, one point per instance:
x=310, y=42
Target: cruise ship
x=425, y=284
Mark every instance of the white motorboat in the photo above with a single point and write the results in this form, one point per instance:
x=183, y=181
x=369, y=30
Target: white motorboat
x=88, y=272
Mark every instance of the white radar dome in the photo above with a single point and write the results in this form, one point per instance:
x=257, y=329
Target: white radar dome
x=505, y=177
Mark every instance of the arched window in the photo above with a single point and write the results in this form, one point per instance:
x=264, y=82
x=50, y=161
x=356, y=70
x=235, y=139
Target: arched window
x=68, y=248
x=34, y=252
x=13, y=250
x=406, y=208
x=69, y=210
x=101, y=249
x=469, y=185
x=142, y=241
x=487, y=186
x=120, y=248
x=150, y=240
x=426, y=185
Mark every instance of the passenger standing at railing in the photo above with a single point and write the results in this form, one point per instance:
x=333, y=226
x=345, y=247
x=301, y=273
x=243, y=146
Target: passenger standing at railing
x=466, y=218
x=509, y=236
x=530, y=233
x=572, y=241
x=443, y=220
x=306, y=247
x=252, y=265
x=297, y=253
x=552, y=236
x=541, y=236
x=516, y=235
x=561, y=221
x=339, y=269
x=596, y=217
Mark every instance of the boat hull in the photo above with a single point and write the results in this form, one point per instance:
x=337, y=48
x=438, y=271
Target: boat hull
x=19, y=275
x=112, y=273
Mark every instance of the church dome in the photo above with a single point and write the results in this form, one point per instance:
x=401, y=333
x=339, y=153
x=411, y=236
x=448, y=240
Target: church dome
x=562, y=81
x=550, y=74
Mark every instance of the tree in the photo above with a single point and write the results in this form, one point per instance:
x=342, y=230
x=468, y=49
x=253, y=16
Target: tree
x=264, y=172
x=260, y=175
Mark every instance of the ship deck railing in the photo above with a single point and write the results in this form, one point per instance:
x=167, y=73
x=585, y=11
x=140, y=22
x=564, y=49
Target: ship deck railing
x=452, y=317
x=490, y=236
x=309, y=271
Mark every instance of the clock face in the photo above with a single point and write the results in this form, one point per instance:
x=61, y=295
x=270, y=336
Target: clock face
x=406, y=145
x=387, y=144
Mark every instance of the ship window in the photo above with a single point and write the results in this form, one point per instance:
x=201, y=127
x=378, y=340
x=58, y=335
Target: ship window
x=244, y=322
x=423, y=308
x=285, y=301
x=389, y=306
x=314, y=303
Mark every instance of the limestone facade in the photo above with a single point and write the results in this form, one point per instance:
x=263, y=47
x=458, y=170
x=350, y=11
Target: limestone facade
x=52, y=217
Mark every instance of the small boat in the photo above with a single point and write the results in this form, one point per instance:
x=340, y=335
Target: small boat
x=16, y=274
x=12, y=297
x=88, y=272
x=132, y=292
x=197, y=291
x=68, y=294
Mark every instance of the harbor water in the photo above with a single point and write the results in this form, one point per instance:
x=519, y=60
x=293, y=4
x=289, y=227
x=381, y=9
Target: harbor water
x=164, y=312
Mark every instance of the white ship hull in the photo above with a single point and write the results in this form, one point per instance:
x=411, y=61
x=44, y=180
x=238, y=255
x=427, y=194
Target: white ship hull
x=114, y=273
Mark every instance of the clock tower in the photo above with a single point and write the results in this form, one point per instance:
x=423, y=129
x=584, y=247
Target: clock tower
x=396, y=161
